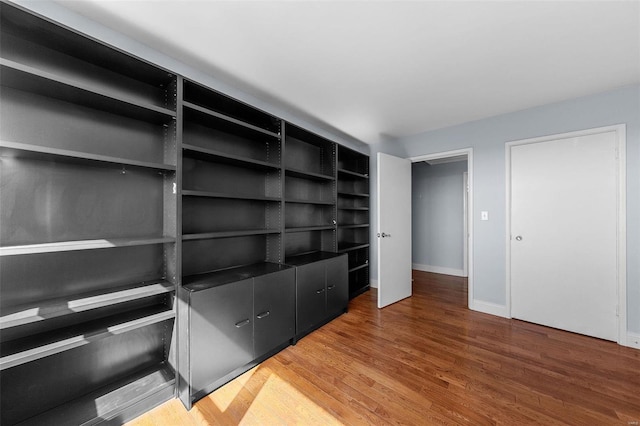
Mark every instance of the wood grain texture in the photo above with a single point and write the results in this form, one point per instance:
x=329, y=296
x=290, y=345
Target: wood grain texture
x=427, y=360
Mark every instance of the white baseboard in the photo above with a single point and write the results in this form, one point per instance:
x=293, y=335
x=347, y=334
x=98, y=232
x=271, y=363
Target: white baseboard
x=490, y=308
x=439, y=270
x=373, y=283
x=633, y=340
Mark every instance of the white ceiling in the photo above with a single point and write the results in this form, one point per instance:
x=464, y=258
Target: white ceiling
x=381, y=70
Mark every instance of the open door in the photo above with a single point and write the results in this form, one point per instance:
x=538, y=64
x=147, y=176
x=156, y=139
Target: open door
x=394, y=229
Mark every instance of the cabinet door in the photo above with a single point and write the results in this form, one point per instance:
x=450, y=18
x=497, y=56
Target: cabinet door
x=274, y=310
x=221, y=331
x=337, y=273
x=311, y=295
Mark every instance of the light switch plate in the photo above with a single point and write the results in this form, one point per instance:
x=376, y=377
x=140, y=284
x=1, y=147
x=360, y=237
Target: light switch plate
x=484, y=215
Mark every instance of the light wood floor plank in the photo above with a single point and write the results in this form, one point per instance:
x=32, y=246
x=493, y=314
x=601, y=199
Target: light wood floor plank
x=427, y=360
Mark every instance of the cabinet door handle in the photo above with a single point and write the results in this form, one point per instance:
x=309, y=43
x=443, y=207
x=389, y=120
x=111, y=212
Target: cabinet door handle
x=243, y=323
x=331, y=287
x=320, y=291
x=263, y=314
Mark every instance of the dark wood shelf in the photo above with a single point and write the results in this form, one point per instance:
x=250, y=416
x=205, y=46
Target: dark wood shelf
x=81, y=245
x=346, y=247
x=192, y=193
x=35, y=152
x=228, y=119
x=353, y=194
x=354, y=208
x=356, y=268
x=309, y=228
x=224, y=276
x=301, y=201
x=360, y=225
x=353, y=174
x=221, y=157
x=29, y=79
x=31, y=348
x=107, y=402
x=227, y=234
x=307, y=175
x=49, y=309
x=311, y=257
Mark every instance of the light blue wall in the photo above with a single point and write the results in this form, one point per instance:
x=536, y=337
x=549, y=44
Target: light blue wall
x=437, y=207
x=488, y=138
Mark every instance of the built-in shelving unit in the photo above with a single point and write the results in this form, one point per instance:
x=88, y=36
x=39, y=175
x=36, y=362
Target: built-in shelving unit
x=310, y=193
x=353, y=216
x=87, y=238
x=133, y=199
x=231, y=184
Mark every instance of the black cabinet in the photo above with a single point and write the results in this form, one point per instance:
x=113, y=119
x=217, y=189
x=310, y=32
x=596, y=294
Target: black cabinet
x=274, y=310
x=233, y=324
x=310, y=295
x=322, y=289
x=222, y=332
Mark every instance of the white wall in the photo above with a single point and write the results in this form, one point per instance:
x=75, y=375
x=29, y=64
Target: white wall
x=437, y=208
x=488, y=138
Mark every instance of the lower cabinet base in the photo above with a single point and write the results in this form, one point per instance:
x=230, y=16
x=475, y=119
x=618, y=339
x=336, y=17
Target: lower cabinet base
x=235, y=373
x=235, y=319
x=327, y=320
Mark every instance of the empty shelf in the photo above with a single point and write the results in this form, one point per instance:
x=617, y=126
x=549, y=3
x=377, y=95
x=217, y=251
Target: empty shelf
x=30, y=313
x=307, y=175
x=352, y=173
x=35, y=152
x=23, y=77
x=228, y=234
x=80, y=245
x=309, y=228
x=361, y=225
x=27, y=349
x=353, y=194
x=193, y=193
x=221, y=157
x=228, y=119
x=356, y=268
x=345, y=247
x=301, y=201
x=224, y=276
x=305, y=258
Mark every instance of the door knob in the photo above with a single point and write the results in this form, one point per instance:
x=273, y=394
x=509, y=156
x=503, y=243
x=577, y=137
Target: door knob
x=518, y=237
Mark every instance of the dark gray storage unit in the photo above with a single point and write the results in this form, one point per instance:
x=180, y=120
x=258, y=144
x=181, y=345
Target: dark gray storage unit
x=124, y=184
x=87, y=227
x=353, y=216
x=233, y=322
x=322, y=289
x=309, y=192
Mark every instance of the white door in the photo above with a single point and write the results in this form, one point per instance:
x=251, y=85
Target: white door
x=564, y=233
x=394, y=229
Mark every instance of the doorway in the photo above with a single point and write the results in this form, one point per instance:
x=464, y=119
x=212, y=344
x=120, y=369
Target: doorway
x=465, y=194
x=439, y=216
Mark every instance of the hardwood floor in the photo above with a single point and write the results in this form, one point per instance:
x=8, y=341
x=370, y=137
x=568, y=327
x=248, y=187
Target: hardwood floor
x=427, y=360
